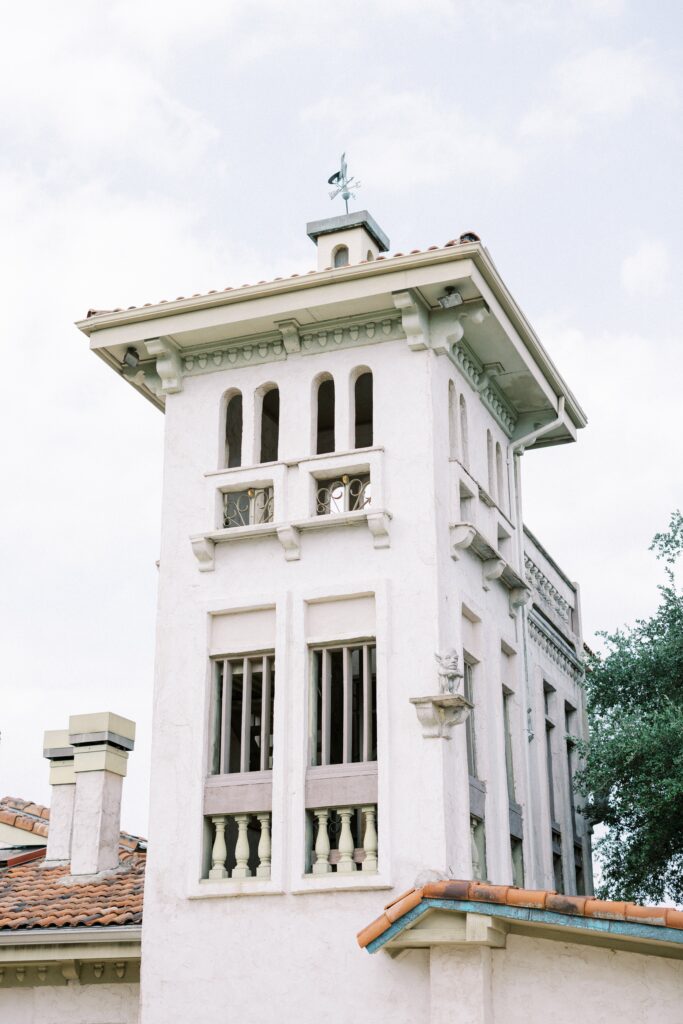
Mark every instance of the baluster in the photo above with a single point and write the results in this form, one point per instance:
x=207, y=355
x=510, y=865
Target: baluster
x=219, y=850
x=370, y=839
x=263, y=869
x=476, y=865
x=242, y=869
x=322, y=845
x=346, y=847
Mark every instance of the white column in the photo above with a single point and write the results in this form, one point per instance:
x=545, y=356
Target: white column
x=219, y=851
x=242, y=869
x=462, y=978
x=322, y=845
x=370, y=840
x=263, y=869
x=346, y=864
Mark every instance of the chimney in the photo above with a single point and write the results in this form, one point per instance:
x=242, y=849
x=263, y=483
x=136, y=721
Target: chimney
x=346, y=239
x=100, y=744
x=58, y=750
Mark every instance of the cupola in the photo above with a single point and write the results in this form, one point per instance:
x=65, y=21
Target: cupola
x=347, y=239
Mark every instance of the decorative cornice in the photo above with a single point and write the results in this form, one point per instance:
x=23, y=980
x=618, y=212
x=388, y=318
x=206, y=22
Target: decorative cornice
x=561, y=657
x=489, y=392
x=547, y=592
x=381, y=327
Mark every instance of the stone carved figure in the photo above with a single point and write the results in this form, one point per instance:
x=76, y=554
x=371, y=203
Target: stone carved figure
x=449, y=671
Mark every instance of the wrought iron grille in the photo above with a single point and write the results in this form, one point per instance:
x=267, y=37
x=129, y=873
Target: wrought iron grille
x=248, y=508
x=343, y=494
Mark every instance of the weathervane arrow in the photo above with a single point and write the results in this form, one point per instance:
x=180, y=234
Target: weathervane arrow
x=344, y=183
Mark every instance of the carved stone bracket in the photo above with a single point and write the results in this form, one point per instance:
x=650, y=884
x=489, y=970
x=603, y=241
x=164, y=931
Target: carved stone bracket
x=438, y=714
x=290, y=539
x=414, y=318
x=461, y=536
x=291, y=339
x=378, y=524
x=168, y=364
x=519, y=596
x=492, y=569
x=204, y=550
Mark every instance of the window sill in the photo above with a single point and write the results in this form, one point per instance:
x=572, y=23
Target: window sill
x=204, y=544
x=259, y=467
x=340, y=883
x=210, y=888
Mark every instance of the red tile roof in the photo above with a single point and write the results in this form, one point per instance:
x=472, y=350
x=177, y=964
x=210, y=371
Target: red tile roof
x=33, y=895
x=511, y=896
x=464, y=239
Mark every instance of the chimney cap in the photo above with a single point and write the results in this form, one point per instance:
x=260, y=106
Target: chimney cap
x=56, y=745
x=345, y=222
x=102, y=727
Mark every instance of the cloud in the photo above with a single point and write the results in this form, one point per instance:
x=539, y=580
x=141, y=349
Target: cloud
x=603, y=83
x=412, y=138
x=646, y=271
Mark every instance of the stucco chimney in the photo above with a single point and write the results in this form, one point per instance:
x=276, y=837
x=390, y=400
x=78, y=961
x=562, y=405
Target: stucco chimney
x=58, y=750
x=101, y=743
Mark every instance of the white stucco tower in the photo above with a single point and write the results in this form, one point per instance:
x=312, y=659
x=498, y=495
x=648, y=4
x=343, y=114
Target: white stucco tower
x=344, y=572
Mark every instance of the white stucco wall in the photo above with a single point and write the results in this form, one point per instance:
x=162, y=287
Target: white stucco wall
x=70, y=1004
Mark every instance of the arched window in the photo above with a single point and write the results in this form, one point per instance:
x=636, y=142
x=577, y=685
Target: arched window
x=464, y=440
x=233, y=431
x=324, y=427
x=500, y=476
x=452, y=422
x=489, y=462
x=362, y=394
x=270, y=425
x=341, y=256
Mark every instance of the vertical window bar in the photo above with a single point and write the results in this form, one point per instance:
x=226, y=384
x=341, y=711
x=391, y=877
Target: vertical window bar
x=246, y=715
x=266, y=712
x=348, y=705
x=325, y=725
x=225, y=718
x=367, y=703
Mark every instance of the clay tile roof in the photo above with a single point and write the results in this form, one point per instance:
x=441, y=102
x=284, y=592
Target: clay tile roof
x=511, y=896
x=33, y=895
x=464, y=239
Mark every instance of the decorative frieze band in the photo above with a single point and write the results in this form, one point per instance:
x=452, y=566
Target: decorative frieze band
x=489, y=392
x=548, y=593
x=567, y=662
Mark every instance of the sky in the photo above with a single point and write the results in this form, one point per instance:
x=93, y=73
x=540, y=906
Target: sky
x=153, y=149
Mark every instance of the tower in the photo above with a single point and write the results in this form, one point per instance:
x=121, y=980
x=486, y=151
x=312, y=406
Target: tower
x=367, y=669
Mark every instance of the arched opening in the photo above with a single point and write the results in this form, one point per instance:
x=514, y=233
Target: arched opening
x=324, y=429
x=363, y=412
x=489, y=462
x=233, y=431
x=452, y=422
x=341, y=256
x=464, y=440
x=270, y=425
x=500, y=476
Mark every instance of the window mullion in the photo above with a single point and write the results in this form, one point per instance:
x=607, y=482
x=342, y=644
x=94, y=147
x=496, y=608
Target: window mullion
x=246, y=715
x=367, y=703
x=265, y=712
x=348, y=705
x=326, y=709
x=225, y=718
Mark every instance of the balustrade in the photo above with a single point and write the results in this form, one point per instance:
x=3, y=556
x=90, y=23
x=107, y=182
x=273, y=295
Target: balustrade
x=241, y=846
x=248, y=508
x=343, y=494
x=343, y=840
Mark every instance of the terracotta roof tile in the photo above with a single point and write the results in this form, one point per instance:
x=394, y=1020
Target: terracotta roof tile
x=463, y=240
x=511, y=896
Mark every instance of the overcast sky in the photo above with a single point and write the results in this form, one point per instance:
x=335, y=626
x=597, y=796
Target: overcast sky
x=153, y=149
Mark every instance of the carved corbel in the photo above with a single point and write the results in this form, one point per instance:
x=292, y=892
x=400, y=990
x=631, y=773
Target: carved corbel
x=414, y=318
x=168, y=364
x=519, y=596
x=289, y=538
x=378, y=524
x=492, y=569
x=203, y=549
x=71, y=971
x=461, y=536
x=291, y=339
x=482, y=930
x=438, y=714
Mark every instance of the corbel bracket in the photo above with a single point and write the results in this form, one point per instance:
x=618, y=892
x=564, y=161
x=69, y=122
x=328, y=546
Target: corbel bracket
x=414, y=318
x=168, y=364
x=378, y=524
x=461, y=537
x=492, y=569
x=291, y=339
x=519, y=596
x=438, y=714
x=204, y=549
x=289, y=537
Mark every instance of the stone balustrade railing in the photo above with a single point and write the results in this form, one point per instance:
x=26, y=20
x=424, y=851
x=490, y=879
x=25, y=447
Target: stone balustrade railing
x=241, y=846
x=343, y=840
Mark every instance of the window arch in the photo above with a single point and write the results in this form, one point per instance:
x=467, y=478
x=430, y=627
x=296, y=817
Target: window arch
x=363, y=414
x=500, y=476
x=452, y=422
x=341, y=256
x=270, y=423
x=464, y=439
x=233, y=430
x=324, y=415
x=490, y=465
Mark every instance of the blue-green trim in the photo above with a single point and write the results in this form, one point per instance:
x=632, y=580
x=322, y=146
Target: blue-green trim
x=625, y=929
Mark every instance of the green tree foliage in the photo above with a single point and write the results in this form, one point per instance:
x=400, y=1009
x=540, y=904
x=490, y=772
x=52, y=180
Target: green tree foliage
x=632, y=781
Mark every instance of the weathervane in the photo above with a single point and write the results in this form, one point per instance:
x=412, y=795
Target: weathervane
x=344, y=183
